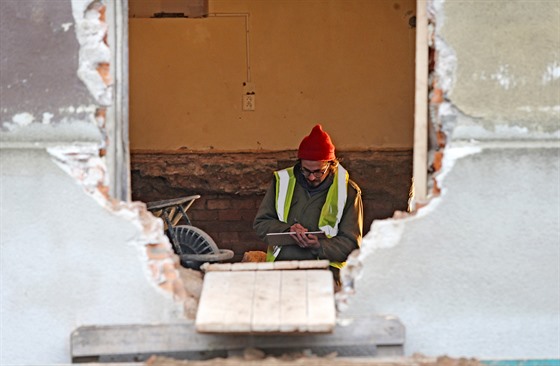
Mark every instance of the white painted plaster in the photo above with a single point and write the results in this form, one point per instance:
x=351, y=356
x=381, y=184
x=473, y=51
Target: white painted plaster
x=67, y=261
x=84, y=164
x=90, y=32
x=478, y=276
x=551, y=73
x=65, y=116
x=447, y=60
x=549, y=108
x=450, y=157
x=23, y=119
x=468, y=131
x=19, y=120
x=68, y=130
x=47, y=117
x=446, y=65
x=503, y=77
x=66, y=26
x=69, y=109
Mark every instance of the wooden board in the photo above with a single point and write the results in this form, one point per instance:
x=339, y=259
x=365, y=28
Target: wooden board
x=266, y=307
x=365, y=336
x=317, y=313
x=266, y=266
x=291, y=301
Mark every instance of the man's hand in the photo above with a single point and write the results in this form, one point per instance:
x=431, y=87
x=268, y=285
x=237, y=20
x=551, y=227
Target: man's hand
x=304, y=240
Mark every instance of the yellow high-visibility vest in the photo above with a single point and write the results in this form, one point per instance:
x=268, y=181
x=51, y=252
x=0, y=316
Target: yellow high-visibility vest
x=330, y=213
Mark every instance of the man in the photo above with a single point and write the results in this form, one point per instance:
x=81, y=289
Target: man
x=314, y=195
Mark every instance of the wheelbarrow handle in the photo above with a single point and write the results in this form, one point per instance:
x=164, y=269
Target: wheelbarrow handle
x=157, y=205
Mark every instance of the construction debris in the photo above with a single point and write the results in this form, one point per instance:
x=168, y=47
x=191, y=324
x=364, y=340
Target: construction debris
x=256, y=357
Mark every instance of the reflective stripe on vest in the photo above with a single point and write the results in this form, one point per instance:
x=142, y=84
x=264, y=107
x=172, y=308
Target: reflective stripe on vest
x=330, y=214
x=285, y=184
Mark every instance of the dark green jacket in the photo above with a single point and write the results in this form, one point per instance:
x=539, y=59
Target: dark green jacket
x=306, y=210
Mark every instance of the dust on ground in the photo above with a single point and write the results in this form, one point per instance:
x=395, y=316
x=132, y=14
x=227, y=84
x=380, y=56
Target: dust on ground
x=257, y=357
x=192, y=282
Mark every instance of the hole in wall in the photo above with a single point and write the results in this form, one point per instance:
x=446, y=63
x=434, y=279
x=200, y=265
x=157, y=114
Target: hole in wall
x=192, y=132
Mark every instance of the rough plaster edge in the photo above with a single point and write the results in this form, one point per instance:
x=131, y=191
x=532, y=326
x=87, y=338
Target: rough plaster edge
x=91, y=31
x=446, y=65
x=84, y=163
x=21, y=121
x=387, y=233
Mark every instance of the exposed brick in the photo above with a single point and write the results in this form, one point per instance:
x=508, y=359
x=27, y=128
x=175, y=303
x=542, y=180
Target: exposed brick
x=202, y=215
x=158, y=251
x=237, y=215
x=199, y=203
x=229, y=215
x=244, y=203
x=248, y=236
x=218, y=204
x=228, y=237
x=238, y=226
x=384, y=177
x=242, y=247
x=167, y=286
x=225, y=245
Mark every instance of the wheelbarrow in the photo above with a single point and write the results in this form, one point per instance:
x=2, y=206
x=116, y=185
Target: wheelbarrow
x=191, y=244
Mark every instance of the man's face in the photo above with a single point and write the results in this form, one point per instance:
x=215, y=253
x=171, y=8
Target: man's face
x=314, y=171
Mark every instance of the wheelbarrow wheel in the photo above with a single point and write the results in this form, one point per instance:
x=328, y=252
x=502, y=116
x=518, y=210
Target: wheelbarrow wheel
x=197, y=247
x=193, y=240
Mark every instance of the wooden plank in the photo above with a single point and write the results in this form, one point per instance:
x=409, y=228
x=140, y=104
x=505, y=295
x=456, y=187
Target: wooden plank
x=246, y=266
x=266, y=303
x=321, y=313
x=373, y=334
x=214, y=302
x=286, y=265
x=265, y=266
x=239, y=303
x=293, y=301
x=420, y=163
x=314, y=264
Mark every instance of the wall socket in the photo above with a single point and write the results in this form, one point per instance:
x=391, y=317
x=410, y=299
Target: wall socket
x=249, y=102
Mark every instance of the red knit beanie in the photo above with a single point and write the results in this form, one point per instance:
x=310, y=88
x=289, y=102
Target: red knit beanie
x=316, y=146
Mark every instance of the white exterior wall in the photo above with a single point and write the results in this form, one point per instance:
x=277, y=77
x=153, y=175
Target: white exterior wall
x=66, y=262
x=477, y=272
x=70, y=255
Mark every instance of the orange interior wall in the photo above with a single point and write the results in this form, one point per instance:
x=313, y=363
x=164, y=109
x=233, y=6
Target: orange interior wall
x=346, y=64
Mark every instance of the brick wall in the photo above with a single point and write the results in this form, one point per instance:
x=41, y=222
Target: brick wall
x=232, y=186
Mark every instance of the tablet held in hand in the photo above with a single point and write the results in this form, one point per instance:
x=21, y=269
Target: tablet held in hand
x=288, y=237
